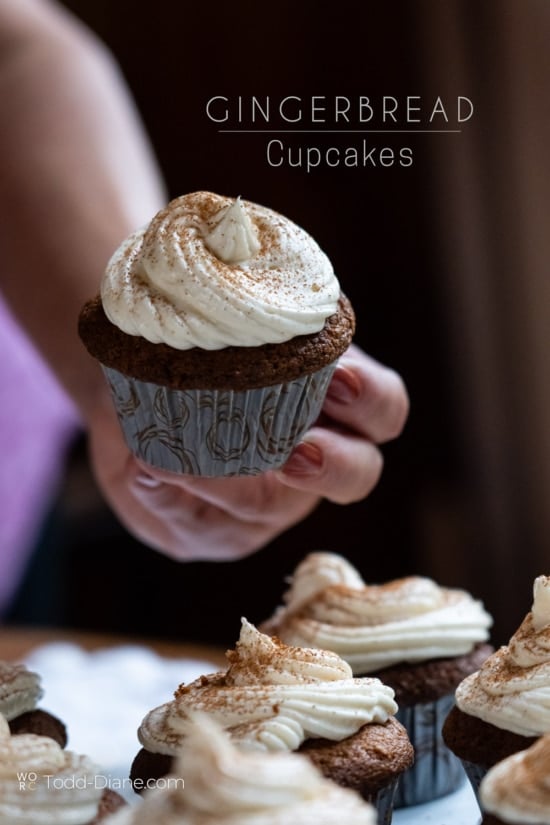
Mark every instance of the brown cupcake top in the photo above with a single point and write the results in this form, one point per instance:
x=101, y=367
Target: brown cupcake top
x=429, y=681
x=474, y=740
x=368, y=760
x=237, y=368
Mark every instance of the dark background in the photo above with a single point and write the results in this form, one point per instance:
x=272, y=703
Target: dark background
x=380, y=229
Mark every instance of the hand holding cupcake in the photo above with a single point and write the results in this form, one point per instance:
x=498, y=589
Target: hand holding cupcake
x=218, y=326
x=284, y=293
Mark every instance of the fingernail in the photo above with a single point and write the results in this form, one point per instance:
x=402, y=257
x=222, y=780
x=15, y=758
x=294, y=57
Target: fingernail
x=307, y=459
x=344, y=387
x=148, y=481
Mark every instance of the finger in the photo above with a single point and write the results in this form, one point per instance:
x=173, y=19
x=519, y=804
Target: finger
x=367, y=397
x=161, y=513
x=340, y=467
x=187, y=528
x=248, y=499
x=218, y=518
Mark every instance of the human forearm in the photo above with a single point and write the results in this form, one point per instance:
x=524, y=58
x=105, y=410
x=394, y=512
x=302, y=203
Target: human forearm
x=77, y=177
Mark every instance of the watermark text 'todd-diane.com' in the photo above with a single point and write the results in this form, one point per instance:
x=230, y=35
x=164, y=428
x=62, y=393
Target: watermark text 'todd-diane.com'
x=30, y=780
x=338, y=131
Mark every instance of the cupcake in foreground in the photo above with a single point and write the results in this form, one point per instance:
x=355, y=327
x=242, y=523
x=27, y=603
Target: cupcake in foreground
x=505, y=707
x=20, y=693
x=278, y=698
x=42, y=783
x=416, y=637
x=516, y=791
x=218, y=327
x=223, y=785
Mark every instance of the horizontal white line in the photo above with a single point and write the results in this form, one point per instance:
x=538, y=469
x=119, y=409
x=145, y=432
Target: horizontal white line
x=341, y=131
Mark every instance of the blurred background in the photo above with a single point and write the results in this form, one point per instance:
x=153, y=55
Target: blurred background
x=446, y=264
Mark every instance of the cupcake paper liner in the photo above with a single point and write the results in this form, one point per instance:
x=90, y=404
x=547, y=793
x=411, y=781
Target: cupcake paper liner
x=436, y=770
x=383, y=802
x=217, y=432
x=475, y=774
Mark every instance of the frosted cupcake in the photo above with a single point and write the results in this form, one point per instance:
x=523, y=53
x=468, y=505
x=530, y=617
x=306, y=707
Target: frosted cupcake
x=42, y=784
x=277, y=698
x=218, y=326
x=504, y=707
x=20, y=693
x=516, y=791
x=416, y=637
x=224, y=786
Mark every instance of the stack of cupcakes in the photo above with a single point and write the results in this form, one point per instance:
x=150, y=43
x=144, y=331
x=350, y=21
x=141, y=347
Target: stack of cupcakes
x=416, y=637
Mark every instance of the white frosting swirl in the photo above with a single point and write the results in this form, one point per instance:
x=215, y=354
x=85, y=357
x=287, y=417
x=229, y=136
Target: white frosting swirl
x=225, y=786
x=233, y=237
x=512, y=688
x=20, y=690
x=373, y=626
x=273, y=697
x=41, y=784
x=177, y=281
x=518, y=788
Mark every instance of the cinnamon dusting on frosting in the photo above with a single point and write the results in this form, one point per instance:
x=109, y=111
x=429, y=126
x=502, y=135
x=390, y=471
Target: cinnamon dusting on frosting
x=272, y=697
x=511, y=688
x=267, y=660
x=212, y=272
x=412, y=619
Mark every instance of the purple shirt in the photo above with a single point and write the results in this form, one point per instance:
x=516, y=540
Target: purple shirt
x=37, y=422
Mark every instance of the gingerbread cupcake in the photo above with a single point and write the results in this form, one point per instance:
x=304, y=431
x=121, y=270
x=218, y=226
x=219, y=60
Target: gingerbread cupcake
x=216, y=783
x=20, y=693
x=278, y=698
x=503, y=707
x=415, y=636
x=218, y=327
x=42, y=783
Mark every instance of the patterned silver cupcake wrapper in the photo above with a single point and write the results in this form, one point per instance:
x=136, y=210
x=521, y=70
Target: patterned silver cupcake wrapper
x=436, y=771
x=217, y=432
x=383, y=802
x=475, y=774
